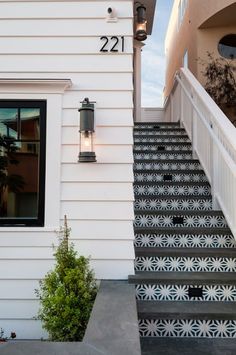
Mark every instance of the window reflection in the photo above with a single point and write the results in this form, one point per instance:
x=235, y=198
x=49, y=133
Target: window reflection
x=19, y=162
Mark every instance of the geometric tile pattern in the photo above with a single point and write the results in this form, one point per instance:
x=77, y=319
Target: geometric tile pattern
x=155, y=177
x=185, y=240
x=161, y=139
x=188, y=221
x=171, y=204
x=194, y=190
x=158, y=133
x=162, y=156
x=180, y=293
x=169, y=147
x=168, y=166
x=160, y=125
x=164, y=170
x=187, y=328
x=191, y=264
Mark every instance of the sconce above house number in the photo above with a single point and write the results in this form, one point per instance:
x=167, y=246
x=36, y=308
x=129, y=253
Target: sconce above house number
x=112, y=44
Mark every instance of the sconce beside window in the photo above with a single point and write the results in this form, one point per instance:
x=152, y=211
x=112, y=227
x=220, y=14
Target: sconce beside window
x=87, y=154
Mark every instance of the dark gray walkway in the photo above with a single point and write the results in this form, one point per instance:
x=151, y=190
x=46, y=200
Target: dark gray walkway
x=184, y=346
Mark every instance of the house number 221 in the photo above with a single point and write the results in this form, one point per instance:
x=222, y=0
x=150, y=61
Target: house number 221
x=112, y=44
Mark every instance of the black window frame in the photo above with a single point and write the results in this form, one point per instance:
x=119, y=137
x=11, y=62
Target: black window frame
x=39, y=221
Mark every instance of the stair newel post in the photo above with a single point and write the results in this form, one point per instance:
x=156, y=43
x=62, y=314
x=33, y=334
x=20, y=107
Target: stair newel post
x=171, y=108
x=181, y=107
x=214, y=170
x=193, y=127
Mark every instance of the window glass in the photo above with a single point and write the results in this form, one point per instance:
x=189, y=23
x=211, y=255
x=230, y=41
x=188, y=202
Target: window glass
x=8, y=122
x=22, y=163
x=227, y=46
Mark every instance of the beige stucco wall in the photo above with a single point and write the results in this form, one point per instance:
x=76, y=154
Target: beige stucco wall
x=195, y=35
x=209, y=39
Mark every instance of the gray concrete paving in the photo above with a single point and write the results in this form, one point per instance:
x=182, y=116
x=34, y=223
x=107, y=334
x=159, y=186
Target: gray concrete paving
x=187, y=346
x=112, y=328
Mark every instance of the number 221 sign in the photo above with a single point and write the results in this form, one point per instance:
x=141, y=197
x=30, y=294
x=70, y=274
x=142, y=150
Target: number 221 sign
x=112, y=44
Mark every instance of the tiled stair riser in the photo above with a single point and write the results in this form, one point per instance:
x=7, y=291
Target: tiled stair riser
x=195, y=220
x=185, y=240
x=173, y=204
x=175, y=177
x=167, y=292
x=162, y=156
x=170, y=189
x=173, y=165
x=190, y=264
x=157, y=148
x=187, y=328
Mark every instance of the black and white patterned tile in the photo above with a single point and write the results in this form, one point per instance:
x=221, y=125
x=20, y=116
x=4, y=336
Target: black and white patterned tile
x=162, y=156
x=184, y=240
x=194, y=165
x=190, y=264
x=158, y=132
x=168, y=148
x=162, y=139
x=172, y=190
x=157, y=126
x=175, y=177
x=173, y=204
x=218, y=293
x=196, y=221
x=187, y=328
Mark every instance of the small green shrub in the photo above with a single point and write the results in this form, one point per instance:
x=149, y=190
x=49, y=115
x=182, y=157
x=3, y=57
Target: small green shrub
x=67, y=293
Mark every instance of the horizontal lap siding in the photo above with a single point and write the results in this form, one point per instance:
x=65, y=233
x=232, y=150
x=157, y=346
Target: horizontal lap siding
x=58, y=40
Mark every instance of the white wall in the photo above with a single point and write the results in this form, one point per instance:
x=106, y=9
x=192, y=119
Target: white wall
x=155, y=114
x=61, y=40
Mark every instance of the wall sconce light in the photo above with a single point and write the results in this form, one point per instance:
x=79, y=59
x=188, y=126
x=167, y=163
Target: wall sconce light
x=86, y=155
x=141, y=23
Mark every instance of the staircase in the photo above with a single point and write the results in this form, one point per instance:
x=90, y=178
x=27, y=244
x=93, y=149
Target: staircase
x=185, y=253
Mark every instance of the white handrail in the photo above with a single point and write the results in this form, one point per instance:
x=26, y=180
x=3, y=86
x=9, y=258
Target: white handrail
x=227, y=157
x=213, y=139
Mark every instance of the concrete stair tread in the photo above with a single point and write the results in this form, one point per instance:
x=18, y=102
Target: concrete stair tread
x=182, y=278
x=180, y=213
x=165, y=172
x=185, y=252
x=175, y=197
x=162, y=136
x=187, y=346
x=186, y=310
x=161, y=152
x=156, y=123
x=182, y=230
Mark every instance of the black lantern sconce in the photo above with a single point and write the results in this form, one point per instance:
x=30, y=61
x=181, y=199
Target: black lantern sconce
x=87, y=154
x=141, y=23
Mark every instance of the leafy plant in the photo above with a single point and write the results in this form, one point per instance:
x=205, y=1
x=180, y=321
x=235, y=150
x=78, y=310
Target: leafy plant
x=67, y=293
x=220, y=77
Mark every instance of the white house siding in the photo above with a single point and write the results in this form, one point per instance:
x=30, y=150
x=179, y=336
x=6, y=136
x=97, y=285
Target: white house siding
x=61, y=40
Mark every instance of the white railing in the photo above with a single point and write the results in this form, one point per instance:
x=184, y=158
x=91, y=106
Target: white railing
x=213, y=140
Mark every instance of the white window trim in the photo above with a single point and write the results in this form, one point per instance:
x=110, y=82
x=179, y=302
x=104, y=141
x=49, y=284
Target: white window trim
x=52, y=91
